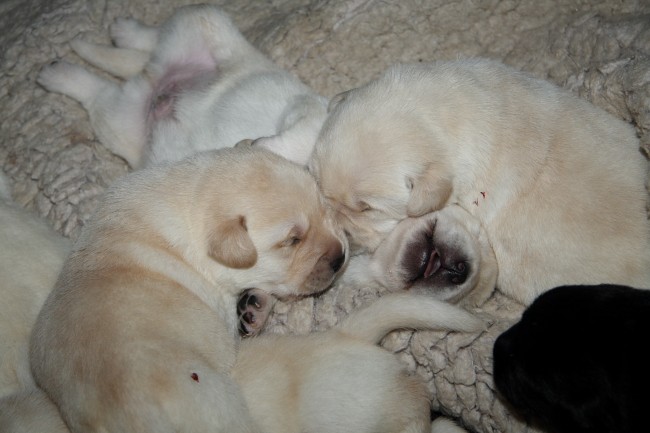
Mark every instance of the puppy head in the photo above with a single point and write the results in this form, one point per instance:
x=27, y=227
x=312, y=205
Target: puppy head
x=268, y=224
x=444, y=254
x=377, y=160
x=573, y=362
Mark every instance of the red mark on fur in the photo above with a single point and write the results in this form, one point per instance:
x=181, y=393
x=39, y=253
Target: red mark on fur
x=483, y=193
x=195, y=377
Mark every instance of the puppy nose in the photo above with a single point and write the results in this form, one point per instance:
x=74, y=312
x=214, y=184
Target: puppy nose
x=337, y=262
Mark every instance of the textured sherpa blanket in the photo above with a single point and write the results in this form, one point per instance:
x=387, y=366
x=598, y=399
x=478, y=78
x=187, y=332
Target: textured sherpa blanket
x=598, y=49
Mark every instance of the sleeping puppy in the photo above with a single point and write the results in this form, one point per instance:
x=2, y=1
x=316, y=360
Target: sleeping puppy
x=576, y=361
x=192, y=84
x=140, y=331
x=31, y=257
x=339, y=380
x=334, y=381
x=547, y=180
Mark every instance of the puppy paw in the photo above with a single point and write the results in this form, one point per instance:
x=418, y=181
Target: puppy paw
x=68, y=79
x=253, y=308
x=131, y=33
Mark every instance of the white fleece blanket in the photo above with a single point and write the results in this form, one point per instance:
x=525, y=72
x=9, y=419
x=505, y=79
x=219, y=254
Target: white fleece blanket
x=598, y=49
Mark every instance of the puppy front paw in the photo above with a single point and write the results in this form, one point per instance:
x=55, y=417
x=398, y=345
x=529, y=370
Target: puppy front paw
x=54, y=77
x=253, y=308
x=131, y=33
x=69, y=79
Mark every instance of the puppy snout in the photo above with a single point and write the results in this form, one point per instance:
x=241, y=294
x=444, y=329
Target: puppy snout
x=439, y=264
x=458, y=271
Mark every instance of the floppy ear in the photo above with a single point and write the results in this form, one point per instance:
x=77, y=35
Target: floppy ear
x=230, y=245
x=430, y=191
x=337, y=99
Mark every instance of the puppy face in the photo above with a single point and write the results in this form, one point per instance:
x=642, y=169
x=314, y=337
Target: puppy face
x=287, y=238
x=375, y=162
x=281, y=237
x=444, y=254
x=242, y=217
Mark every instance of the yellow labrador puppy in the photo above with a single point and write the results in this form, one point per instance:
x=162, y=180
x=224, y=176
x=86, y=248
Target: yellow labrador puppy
x=551, y=186
x=339, y=380
x=139, y=333
x=30, y=411
x=335, y=381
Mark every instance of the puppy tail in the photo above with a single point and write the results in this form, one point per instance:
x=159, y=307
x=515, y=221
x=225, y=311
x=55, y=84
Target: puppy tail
x=407, y=311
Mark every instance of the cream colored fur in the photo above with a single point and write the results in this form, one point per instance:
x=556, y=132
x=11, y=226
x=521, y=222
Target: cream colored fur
x=555, y=184
x=340, y=381
x=30, y=411
x=139, y=333
x=31, y=256
x=336, y=381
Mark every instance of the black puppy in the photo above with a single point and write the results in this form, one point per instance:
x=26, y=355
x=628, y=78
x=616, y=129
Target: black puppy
x=577, y=360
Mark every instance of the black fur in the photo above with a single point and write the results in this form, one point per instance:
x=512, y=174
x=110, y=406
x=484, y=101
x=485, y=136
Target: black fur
x=577, y=360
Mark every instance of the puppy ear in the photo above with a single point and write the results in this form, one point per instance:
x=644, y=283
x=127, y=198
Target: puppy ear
x=337, y=99
x=429, y=192
x=230, y=244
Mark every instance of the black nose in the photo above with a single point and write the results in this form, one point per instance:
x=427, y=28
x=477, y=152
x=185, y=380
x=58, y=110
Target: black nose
x=337, y=263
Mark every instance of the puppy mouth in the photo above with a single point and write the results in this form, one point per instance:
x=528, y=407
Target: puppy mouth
x=434, y=264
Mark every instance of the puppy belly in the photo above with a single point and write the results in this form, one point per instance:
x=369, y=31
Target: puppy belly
x=177, y=80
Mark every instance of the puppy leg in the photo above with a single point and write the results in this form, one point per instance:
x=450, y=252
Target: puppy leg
x=120, y=62
x=253, y=308
x=206, y=26
x=131, y=33
x=117, y=114
x=298, y=129
x=134, y=41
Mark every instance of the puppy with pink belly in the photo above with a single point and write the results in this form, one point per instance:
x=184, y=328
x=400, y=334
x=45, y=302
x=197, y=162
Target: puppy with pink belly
x=194, y=83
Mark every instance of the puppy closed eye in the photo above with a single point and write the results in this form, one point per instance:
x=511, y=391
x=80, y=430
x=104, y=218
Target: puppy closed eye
x=293, y=239
x=362, y=206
